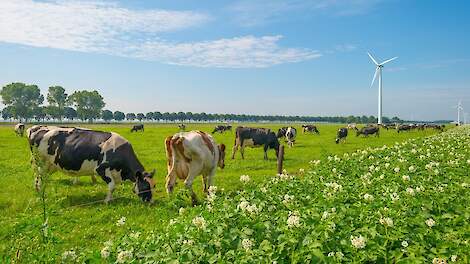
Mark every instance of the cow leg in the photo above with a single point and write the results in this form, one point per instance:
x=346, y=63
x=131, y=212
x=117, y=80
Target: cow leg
x=194, y=170
x=75, y=180
x=234, y=150
x=266, y=152
x=93, y=179
x=111, y=187
x=170, y=182
x=242, y=151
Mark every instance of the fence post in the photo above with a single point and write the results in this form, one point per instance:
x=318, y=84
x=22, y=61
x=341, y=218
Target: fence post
x=280, y=159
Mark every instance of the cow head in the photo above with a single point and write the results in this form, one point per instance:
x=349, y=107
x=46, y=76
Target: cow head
x=144, y=184
x=221, y=162
x=281, y=133
x=337, y=140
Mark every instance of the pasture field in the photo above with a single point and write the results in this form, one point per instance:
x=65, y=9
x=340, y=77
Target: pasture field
x=78, y=220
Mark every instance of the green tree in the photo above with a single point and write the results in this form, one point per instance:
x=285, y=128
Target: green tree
x=107, y=115
x=7, y=113
x=140, y=116
x=22, y=98
x=130, y=116
x=57, y=99
x=149, y=116
x=70, y=113
x=119, y=116
x=88, y=103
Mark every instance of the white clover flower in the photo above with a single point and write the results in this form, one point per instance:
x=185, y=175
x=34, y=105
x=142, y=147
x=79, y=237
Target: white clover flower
x=358, y=242
x=199, y=222
x=387, y=165
x=410, y=191
x=212, y=189
x=395, y=197
x=245, y=178
x=247, y=244
x=404, y=243
x=453, y=258
x=188, y=242
x=182, y=210
x=439, y=261
x=124, y=256
x=288, y=199
x=334, y=170
x=121, y=221
x=69, y=256
x=243, y=205
x=382, y=176
x=397, y=169
x=263, y=190
x=331, y=254
x=105, y=252
x=293, y=220
x=430, y=222
x=252, y=209
x=301, y=171
x=368, y=197
x=387, y=221
x=468, y=162
x=325, y=215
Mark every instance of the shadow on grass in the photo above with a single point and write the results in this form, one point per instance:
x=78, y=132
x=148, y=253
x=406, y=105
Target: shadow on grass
x=96, y=199
x=81, y=181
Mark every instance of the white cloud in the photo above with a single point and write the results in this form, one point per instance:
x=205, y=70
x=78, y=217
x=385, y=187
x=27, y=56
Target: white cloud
x=104, y=27
x=253, y=13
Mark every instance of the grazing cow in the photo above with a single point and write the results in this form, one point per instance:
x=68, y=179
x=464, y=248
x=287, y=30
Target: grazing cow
x=366, y=131
x=139, y=127
x=403, y=128
x=79, y=152
x=255, y=137
x=289, y=133
x=19, y=129
x=436, y=127
x=190, y=154
x=351, y=126
x=310, y=128
x=221, y=129
x=341, y=135
x=182, y=127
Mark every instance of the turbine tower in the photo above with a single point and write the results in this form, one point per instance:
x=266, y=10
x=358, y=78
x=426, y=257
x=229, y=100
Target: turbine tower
x=378, y=71
x=459, y=107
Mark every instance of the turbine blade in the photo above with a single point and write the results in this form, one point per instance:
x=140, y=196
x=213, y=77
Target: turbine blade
x=387, y=61
x=372, y=58
x=375, y=76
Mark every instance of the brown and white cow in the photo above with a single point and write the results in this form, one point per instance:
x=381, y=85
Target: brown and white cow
x=310, y=128
x=255, y=137
x=19, y=129
x=190, y=154
x=79, y=152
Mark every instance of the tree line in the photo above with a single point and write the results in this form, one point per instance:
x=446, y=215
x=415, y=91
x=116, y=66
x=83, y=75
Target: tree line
x=24, y=102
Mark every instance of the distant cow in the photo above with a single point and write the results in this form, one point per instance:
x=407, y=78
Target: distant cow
x=436, y=127
x=341, y=135
x=366, y=131
x=289, y=133
x=136, y=128
x=351, y=126
x=19, y=129
x=221, y=128
x=79, y=152
x=310, y=128
x=182, y=127
x=255, y=137
x=190, y=154
x=403, y=128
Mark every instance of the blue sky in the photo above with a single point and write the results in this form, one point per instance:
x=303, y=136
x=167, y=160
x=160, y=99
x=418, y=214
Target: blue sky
x=261, y=57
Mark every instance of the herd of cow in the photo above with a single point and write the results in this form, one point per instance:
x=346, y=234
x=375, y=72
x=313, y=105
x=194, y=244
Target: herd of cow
x=80, y=151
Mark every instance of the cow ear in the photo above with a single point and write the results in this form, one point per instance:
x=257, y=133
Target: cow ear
x=151, y=174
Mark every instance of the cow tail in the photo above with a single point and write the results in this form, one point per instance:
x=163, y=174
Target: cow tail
x=170, y=154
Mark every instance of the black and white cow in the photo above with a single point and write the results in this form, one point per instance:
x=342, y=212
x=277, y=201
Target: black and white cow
x=80, y=152
x=19, y=129
x=182, y=127
x=290, y=133
x=255, y=137
x=310, y=128
x=139, y=127
x=341, y=135
x=370, y=130
x=221, y=129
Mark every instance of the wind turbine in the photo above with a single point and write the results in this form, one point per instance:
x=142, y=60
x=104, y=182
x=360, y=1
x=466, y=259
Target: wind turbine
x=459, y=107
x=378, y=71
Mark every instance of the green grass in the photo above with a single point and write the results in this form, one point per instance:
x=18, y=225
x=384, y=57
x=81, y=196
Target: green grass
x=77, y=217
